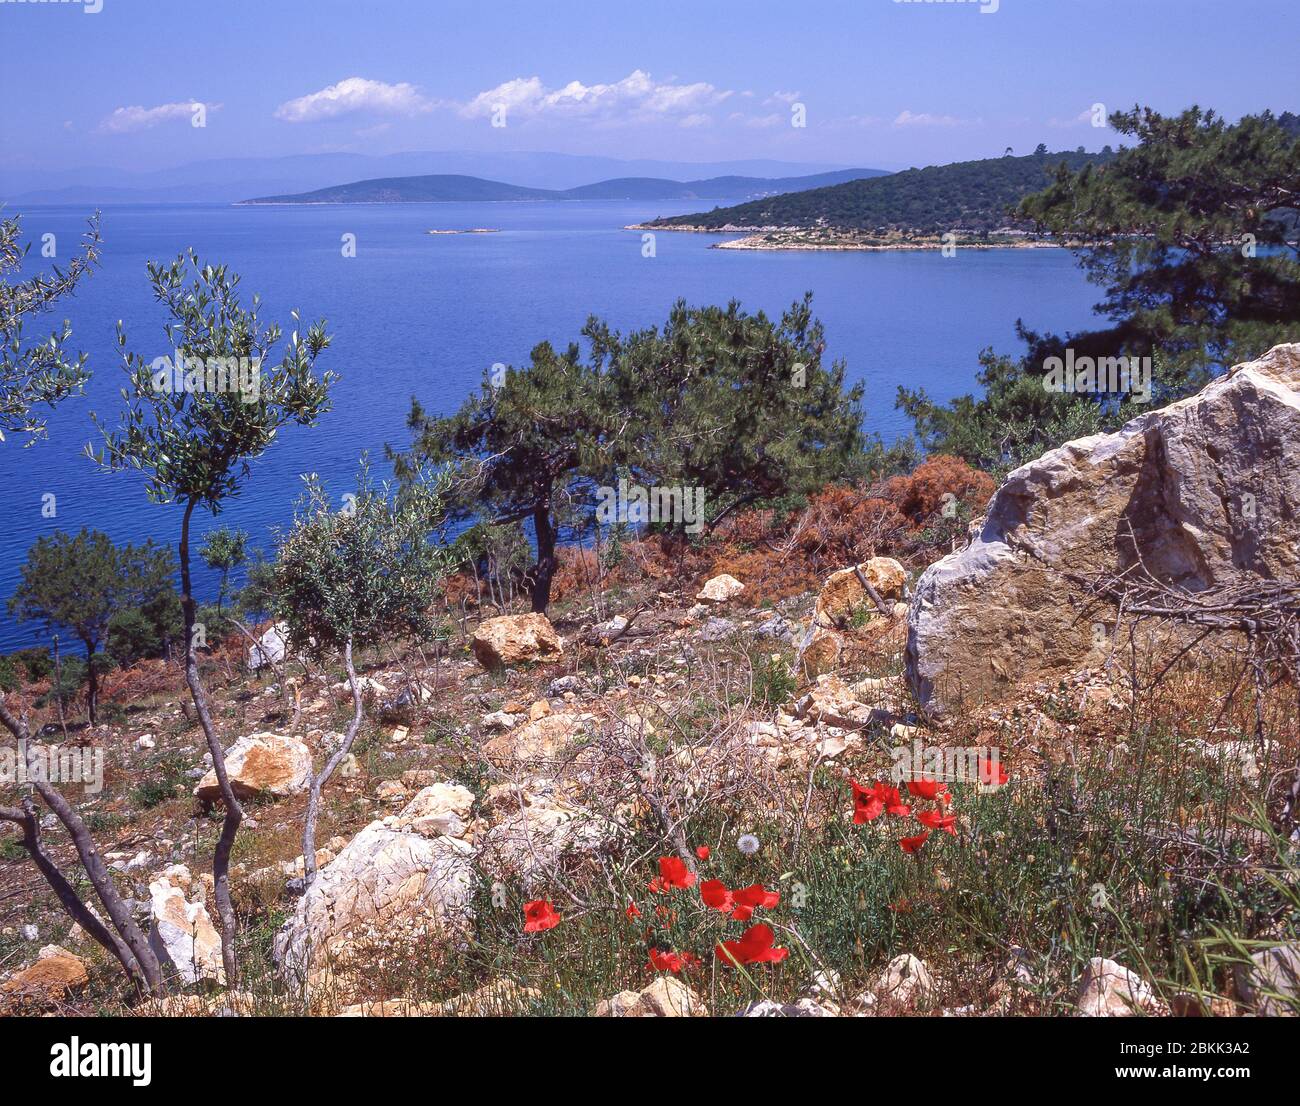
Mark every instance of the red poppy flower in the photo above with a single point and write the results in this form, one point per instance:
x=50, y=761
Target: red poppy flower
x=539, y=915
x=702, y=851
x=756, y=895
x=632, y=911
x=911, y=844
x=991, y=772
x=938, y=820
x=657, y=886
x=868, y=802
x=661, y=961
x=714, y=893
x=674, y=873
x=894, y=803
x=927, y=788
x=754, y=947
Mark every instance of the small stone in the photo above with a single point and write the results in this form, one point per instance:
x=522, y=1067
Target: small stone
x=666, y=997
x=1271, y=985
x=261, y=765
x=906, y=981
x=516, y=638
x=1110, y=990
x=720, y=589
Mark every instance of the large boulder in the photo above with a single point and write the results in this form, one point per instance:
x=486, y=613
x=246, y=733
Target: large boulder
x=1202, y=494
x=261, y=765
x=180, y=932
x=386, y=884
x=515, y=638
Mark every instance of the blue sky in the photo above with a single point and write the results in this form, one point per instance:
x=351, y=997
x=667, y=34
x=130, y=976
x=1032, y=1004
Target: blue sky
x=882, y=83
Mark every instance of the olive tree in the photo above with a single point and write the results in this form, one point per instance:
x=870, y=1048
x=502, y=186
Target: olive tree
x=192, y=429
x=37, y=374
x=119, y=935
x=351, y=578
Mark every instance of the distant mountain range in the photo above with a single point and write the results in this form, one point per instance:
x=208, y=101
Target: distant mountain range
x=971, y=196
x=445, y=187
x=230, y=179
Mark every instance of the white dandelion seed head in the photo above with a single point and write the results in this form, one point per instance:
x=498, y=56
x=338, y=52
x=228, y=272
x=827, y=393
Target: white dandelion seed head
x=747, y=843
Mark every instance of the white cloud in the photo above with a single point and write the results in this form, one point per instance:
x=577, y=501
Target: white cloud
x=137, y=118
x=638, y=97
x=925, y=119
x=352, y=95
x=781, y=98
x=1083, y=119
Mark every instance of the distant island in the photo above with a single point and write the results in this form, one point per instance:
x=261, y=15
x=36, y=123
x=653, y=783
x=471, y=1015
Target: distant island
x=450, y=187
x=914, y=209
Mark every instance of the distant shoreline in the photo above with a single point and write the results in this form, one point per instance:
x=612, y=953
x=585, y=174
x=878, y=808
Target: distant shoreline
x=792, y=238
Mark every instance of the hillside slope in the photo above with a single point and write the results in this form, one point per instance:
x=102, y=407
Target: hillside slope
x=971, y=196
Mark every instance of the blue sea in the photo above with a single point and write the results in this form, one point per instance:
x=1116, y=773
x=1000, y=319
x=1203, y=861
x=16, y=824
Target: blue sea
x=414, y=314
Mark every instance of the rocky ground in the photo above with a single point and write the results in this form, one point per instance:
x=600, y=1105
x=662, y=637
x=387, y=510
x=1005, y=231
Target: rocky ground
x=670, y=799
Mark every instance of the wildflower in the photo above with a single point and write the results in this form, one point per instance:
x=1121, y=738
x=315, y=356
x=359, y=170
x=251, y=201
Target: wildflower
x=673, y=873
x=748, y=899
x=632, y=911
x=747, y=843
x=894, y=803
x=714, y=893
x=702, y=851
x=754, y=947
x=539, y=915
x=868, y=802
x=937, y=820
x=924, y=788
x=912, y=844
x=663, y=961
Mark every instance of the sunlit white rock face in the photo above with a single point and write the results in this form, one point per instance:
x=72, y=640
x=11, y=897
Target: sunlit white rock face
x=1204, y=493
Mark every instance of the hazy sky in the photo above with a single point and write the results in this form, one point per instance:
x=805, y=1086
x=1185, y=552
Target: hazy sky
x=882, y=83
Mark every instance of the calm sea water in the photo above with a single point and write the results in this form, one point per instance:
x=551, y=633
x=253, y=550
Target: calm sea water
x=420, y=315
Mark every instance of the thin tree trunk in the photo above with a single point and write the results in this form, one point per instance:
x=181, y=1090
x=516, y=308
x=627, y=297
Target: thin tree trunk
x=130, y=935
x=234, y=812
x=92, y=684
x=545, y=568
x=58, y=688
x=318, y=782
x=67, y=895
